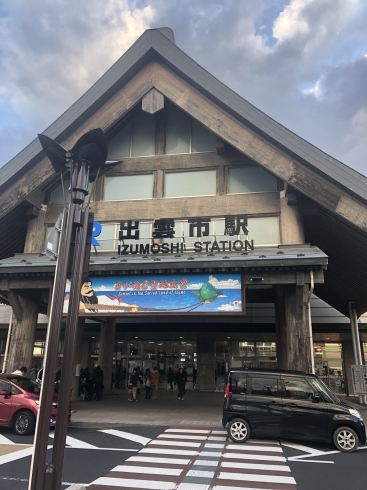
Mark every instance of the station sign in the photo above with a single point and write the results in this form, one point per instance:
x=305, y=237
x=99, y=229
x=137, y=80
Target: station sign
x=169, y=294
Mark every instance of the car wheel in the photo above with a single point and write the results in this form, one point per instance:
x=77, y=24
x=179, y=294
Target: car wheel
x=346, y=439
x=238, y=430
x=24, y=423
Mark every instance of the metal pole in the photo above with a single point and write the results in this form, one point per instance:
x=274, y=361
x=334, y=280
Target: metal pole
x=37, y=472
x=8, y=341
x=69, y=353
x=355, y=339
x=312, y=285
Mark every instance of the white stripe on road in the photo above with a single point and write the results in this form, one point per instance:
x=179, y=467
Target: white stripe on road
x=23, y=453
x=254, y=466
x=225, y=487
x=5, y=440
x=193, y=486
x=248, y=447
x=257, y=478
x=172, y=452
x=255, y=457
x=200, y=474
x=205, y=462
x=175, y=443
x=148, y=470
x=181, y=436
x=75, y=443
x=127, y=435
x=219, y=432
x=217, y=438
x=147, y=459
x=190, y=431
x=214, y=454
x=128, y=483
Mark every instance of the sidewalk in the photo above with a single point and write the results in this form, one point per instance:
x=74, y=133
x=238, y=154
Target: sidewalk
x=198, y=408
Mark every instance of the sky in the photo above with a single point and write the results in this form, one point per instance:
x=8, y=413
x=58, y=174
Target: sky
x=302, y=62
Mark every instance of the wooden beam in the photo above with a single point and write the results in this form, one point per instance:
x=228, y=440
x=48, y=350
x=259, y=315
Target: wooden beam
x=15, y=304
x=35, y=238
x=104, y=118
x=258, y=149
x=25, y=283
x=152, y=102
x=147, y=209
x=36, y=198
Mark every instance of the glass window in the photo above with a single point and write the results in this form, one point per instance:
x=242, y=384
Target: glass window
x=119, y=145
x=143, y=135
x=263, y=386
x=202, y=139
x=266, y=349
x=247, y=349
x=57, y=197
x=327, y=395
x=123, y=187
x=107, y=238
x=250, y=179
x=4, y=385
x=297, y=388
x=194, y=183
x=238, y=383
x=27, y=384
x=177, y=130
x=264, y=230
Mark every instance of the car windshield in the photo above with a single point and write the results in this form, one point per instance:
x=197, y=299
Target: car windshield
x=326, y=393
x=26, y=384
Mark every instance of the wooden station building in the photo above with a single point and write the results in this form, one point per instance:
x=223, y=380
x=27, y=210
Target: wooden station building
x=222, y=239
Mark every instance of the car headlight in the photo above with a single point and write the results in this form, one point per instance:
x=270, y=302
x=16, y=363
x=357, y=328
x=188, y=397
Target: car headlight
x=356, y=413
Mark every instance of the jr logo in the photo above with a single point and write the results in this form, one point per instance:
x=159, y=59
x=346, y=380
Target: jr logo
x=97, y=229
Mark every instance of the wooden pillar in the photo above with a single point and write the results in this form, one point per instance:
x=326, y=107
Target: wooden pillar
x=78, y=358
x=291, y=222
x=23, y=333
x=205, y=373
x=106, y=348
x=293, y=336
x=35, y=239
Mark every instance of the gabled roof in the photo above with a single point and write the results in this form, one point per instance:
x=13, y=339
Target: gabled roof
x=159, y=44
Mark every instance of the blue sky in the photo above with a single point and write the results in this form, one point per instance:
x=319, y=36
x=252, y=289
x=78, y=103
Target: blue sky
x=303, y=62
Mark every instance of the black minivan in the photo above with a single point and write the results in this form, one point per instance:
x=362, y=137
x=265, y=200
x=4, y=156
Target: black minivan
x=291, y=405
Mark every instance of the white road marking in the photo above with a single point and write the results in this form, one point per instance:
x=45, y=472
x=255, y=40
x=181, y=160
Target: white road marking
x=205, y=462
x=254, y=466
x=248, y=447
x=5, y=440
x=75, y=443
x=257, y=478
x=22, y=453
x=127, y=435
x=219, y=432
x=210, y=445
x=128, y=483
x=175, y=443
x=255, y=457
x=190, y=431
x=147, y=459
x=181, y=436
x=64, y=483
x=200, y=474
x=193, y=486
x=216, y=454
x=147, y=470
x=225, y=487
x=305, y=449
x=216, y=438
x=172, y=452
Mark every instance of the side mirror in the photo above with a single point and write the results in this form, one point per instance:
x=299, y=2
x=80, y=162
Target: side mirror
x=5, y=393
x=316, y=398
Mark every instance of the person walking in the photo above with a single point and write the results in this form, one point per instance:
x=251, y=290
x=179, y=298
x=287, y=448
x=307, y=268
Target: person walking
x=180, y=381
x=97, y=383
x=147, y=381
x=117, y=376
x=184, y=379
x=170, y=378
x=154, y=383
x=135, y=381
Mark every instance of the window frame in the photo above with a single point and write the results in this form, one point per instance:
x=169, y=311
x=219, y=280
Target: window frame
x=296, y=378
x=129, y=174
x=187, y=170
x=245, y=165
x=252, y=376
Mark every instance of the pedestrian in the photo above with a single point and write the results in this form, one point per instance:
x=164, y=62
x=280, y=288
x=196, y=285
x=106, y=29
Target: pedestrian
x=134, y=381
x=147, y=381
x=97, y=383
x=180, y=383
x=34, y=370
x=118, y=376
x=140, y=372
x=170, y=378
x=20, y=372
x=154, y=383
x=185, y=380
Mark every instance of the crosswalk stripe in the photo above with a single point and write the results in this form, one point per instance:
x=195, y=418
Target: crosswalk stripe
x=147, y=470
x=160, y=450
x=5, y=440
x=175, y=443
x=191, y=431
x=255, y=466
x=181, y=436
x=256, y=478
x=216, y=438
x=248, y=447
x=225, y=487
x=129, y=483
x=127, y=435
x=75, y=443
x=256, y=457
x=147, y=459
x=200, y=473
x=219, y=432
x=193, y=486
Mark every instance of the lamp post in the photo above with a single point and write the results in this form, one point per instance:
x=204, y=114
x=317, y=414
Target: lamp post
x=85, y=162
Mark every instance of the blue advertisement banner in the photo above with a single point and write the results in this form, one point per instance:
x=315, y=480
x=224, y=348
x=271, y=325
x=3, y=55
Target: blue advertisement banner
x=160, y=294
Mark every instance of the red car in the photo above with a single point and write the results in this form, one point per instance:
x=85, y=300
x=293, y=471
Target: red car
x=19, y=404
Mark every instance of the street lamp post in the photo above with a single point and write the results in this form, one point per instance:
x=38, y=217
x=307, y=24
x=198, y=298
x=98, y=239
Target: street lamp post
x=85, y=161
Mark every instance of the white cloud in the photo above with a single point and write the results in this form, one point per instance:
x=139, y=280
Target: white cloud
x=228, y=284
x=233, y=306
x=316, y=90
x=291, y=22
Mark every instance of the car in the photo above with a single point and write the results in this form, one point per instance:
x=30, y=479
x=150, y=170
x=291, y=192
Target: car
x=19, y=404
x=290, y=405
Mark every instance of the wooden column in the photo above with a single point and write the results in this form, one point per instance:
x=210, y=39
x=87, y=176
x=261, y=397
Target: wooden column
x=291, y=222
x=205, y=373
x=293, y=342
x=78, y=358
x=23, y=333
x=106, y=347
x=35, y=239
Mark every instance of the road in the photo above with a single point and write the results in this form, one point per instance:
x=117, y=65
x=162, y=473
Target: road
x=183, y=458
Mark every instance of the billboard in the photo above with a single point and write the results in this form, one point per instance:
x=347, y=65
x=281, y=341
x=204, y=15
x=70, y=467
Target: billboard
x=160, y=294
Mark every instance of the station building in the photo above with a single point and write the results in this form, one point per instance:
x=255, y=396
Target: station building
x=221, y=240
